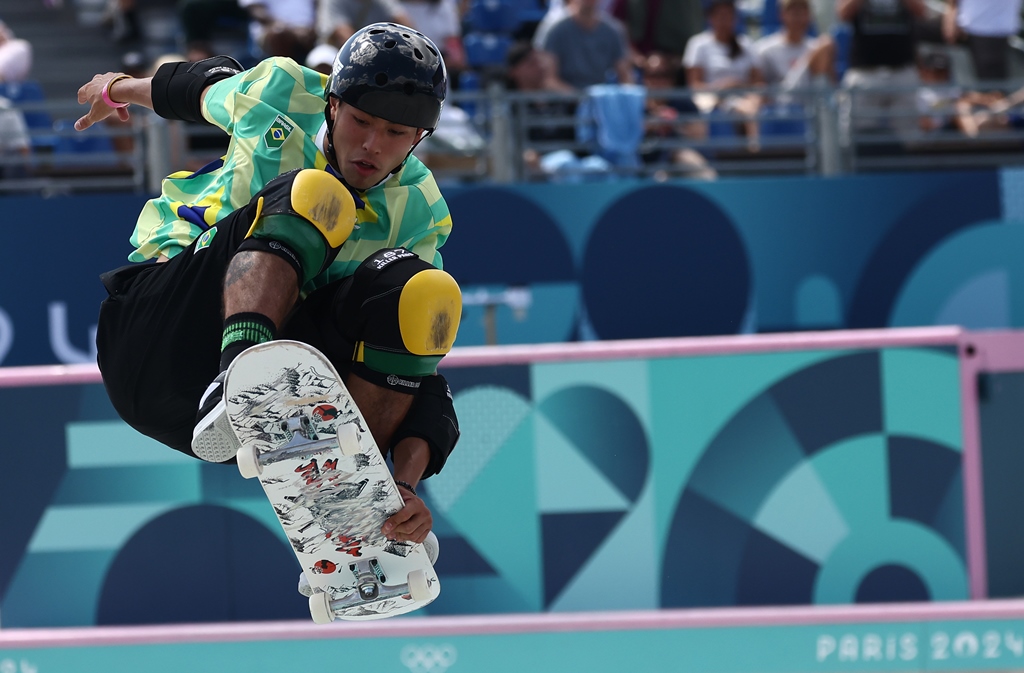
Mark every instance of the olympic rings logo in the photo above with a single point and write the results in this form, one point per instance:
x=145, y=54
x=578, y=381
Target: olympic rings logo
x=428, y=658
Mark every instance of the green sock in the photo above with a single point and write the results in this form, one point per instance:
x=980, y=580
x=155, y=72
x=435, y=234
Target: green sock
x=242, y=330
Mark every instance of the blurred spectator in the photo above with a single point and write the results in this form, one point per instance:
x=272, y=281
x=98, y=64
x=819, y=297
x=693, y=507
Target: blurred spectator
x=790, y=59
x=336, y=20
x=668, y=120
x=14, y=141
x=588, y=47
x=979, y=112
x=321, y=58
x=282, y=27
x=717, y=60
x=531, y=70
x=986, y=26
x=15, y=56
x=558, y=10
x=945, y=107
x=659, y=26
x=123, y=17
x=882, y=74
x=776, y=54
x=937, y=98
x=201, y=20
x=440, y=21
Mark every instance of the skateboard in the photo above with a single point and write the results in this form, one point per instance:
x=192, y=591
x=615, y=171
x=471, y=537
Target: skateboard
x=303, y=437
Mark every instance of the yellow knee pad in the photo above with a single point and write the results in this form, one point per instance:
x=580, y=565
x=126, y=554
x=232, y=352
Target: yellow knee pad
x=429, y=311
x=320, y=197
x=313, y=198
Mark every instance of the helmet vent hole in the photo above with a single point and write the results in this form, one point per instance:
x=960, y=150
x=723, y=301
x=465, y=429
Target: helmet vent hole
x=376, y=31
x=432, y=50
x=381, y=78
x=409, y=88
x=389, y=44
x=418, y=53
x=407, y=36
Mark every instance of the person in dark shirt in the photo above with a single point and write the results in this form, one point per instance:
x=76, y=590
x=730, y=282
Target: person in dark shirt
x=882, y=75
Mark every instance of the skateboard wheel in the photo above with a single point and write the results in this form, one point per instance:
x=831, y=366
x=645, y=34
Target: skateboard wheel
x=348, y=440
x=320, y=608
x=248, y=462
x=418, y=587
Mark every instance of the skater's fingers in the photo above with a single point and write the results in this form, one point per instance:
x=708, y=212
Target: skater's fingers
x=411, y=521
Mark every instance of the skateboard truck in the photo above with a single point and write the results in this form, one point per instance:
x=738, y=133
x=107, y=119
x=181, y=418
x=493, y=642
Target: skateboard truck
x=371, y=588
x=303, y=442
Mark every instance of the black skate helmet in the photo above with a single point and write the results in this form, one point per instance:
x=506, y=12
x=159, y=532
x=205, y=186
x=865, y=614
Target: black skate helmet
x=392, y=72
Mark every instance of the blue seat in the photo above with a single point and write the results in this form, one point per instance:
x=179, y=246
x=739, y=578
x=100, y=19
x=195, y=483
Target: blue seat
x=769, y=17
x=843, y=35
x=38, y=120
x=486, y=49
x=783, y=120
x=89, y=141
x=493, y=16
x=527, y=11
x=469, y=80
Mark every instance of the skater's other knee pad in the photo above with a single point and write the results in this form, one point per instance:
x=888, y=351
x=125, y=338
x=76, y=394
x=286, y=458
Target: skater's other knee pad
x=402, y=314
x=304, y=217
x=429, y=311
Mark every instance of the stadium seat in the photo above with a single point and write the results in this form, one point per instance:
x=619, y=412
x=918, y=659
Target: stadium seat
x=842, y=34
x=783, y=120
x=769, y=18
x=38, y=121
x=528, y=11
x=486, y=49
x=493, y=16
x=90, y=141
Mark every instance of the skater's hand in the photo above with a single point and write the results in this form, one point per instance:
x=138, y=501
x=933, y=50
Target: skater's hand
x=92, y=93
x=412, y=522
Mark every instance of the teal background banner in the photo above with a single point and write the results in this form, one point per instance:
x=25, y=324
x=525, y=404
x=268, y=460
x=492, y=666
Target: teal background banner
x=622, y=260
x=776, y=478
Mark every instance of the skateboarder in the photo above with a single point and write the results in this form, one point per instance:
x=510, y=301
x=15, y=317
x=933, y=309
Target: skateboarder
x=318, y=225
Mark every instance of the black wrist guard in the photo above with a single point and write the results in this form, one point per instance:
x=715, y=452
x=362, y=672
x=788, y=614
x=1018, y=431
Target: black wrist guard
x=431, y=418
x=177, y=88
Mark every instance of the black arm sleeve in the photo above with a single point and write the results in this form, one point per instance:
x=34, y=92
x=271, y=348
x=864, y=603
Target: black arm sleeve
x=432, y=418
x=177, y=88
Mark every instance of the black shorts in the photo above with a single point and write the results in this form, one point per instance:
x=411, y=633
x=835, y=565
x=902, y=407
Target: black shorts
x=159, y=332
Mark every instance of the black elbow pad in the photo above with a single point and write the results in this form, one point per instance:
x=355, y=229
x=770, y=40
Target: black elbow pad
x=177, y=88
x=432, y=418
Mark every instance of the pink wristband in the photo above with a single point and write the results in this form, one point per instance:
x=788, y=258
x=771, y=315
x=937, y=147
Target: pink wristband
x=106, y=93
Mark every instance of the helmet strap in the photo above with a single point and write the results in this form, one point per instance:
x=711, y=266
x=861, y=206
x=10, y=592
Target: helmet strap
x=332, y=157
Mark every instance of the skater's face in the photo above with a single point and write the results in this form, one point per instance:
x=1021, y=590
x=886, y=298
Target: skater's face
x=368, y=148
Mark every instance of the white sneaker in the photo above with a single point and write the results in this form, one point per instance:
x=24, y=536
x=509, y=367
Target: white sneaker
x=430, y=546
x=213, y=439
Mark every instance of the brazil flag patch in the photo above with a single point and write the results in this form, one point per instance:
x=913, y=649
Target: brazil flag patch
x=206, y=239
x=278, y=132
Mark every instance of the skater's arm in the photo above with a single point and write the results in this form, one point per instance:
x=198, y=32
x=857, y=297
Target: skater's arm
x=412, y=523
x=176, y=91
x=411, y=456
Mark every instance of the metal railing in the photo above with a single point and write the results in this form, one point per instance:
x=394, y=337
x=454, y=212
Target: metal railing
x=506, y=136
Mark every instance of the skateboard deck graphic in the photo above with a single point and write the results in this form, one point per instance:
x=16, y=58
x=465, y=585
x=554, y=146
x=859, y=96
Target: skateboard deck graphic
x=306, y=440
